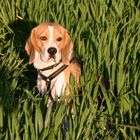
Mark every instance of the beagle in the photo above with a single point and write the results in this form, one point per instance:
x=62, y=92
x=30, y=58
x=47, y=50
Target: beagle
x=50, y=50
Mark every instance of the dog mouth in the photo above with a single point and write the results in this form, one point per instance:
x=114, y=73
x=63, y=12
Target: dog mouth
x=51, y=57
x=47, y=58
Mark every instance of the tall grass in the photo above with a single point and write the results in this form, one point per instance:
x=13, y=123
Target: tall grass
x=106, y=36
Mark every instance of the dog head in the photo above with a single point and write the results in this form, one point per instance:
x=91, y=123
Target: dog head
x=49, y=43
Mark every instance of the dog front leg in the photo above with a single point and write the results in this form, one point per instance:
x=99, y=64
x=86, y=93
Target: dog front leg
x=41, y=85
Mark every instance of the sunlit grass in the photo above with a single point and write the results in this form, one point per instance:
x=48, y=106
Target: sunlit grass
x=106, y=36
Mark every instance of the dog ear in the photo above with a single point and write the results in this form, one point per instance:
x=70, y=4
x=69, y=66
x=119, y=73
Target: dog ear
x=29, y=46
x=67, y=49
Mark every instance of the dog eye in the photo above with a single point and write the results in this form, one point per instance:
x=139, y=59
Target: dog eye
x=59, y=38
x=43, y=38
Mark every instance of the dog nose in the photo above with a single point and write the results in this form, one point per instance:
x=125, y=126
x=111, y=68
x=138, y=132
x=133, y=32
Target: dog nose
x=52, y=51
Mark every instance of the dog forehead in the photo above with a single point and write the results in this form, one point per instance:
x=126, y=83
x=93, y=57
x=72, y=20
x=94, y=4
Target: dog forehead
x=50, y=27
x=41, y=28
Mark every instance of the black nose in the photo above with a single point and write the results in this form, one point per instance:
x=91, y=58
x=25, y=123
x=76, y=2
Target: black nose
x=52, y=51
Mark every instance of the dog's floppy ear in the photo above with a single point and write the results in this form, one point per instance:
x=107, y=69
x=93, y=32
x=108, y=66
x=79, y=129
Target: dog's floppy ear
x=29, y=46
x=67, y=49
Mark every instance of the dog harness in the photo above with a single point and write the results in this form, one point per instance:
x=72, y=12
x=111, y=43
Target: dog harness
x=49, y=78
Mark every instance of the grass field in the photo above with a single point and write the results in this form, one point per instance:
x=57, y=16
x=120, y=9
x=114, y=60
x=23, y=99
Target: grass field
x=106, y=37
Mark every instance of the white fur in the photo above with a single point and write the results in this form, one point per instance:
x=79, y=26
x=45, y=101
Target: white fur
x=51, y=28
